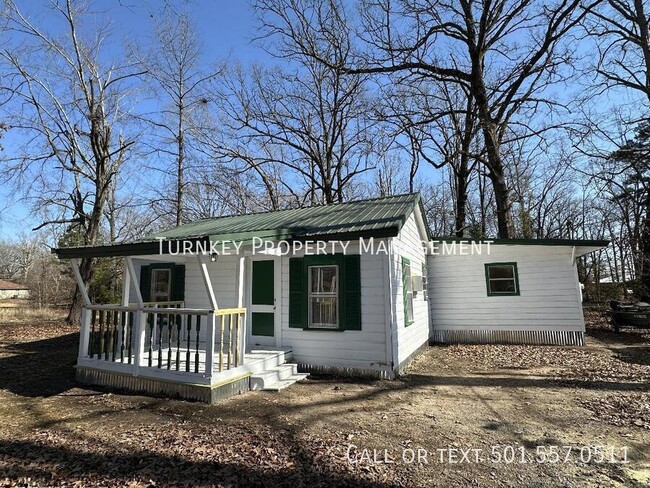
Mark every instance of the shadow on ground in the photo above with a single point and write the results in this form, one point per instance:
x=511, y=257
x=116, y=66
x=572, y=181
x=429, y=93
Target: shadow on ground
x=49, y=463
x=40, y=368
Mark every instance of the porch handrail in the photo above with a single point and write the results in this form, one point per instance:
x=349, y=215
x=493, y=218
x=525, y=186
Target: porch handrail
x=116, y=333
x=185, y=311
x=229, y=311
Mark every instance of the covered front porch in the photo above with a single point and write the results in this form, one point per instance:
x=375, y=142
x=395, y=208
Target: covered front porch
x=167, y=348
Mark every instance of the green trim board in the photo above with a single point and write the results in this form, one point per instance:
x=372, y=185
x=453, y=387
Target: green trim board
x=515, y=277
x=528, y=242
x=349, y=292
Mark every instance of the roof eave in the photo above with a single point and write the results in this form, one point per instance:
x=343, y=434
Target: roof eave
x=159, y=248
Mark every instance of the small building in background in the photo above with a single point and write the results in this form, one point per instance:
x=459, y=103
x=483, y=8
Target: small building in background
x=9, y=289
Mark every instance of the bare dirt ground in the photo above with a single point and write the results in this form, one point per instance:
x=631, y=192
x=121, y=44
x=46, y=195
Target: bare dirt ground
x=502, y=401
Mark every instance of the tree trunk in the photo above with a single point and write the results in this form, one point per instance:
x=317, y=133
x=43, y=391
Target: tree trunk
x=645, y=253
x=181, y=165
x=461, y=200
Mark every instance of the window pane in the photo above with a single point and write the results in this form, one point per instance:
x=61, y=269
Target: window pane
x=323, y=279
x=160, y=282
x=407, y=273
x=324, y=311
x=409, y=308
x=501, y=271
x=502, y=286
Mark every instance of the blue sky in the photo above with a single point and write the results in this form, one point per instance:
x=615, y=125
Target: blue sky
x=225, y=26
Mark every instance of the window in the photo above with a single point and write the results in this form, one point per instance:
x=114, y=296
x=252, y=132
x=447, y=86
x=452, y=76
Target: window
x=162, y=282
x=407, y=286
x=425, y=282
x=323, y=297
x=325, y=292
x=160, y=285
x=501, y=279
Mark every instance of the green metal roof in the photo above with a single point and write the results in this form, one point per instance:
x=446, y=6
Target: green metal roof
x=378, y=217
x=362, y=216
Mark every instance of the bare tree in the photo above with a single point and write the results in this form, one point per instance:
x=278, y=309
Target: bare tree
x=312, y=121
x=175, y=71
x=69, y=107
x=505, y=53
x=621, y=29
x=310, y=117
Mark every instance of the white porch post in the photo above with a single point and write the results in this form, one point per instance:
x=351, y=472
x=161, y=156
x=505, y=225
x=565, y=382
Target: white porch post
x=210, y=318
x=209, y=344
x=138, y=322
x=206, y=281
x=84, y=332
x=138, y=315
x=241, y=283
x=126, y=285
x=80, y=282
x=136, y=285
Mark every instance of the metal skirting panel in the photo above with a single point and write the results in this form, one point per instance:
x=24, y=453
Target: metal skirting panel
x=486, y=336
x=151, y=386
x=344, y=371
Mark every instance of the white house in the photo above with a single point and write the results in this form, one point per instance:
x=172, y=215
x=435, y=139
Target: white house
x=9, y=290
x=257, y=301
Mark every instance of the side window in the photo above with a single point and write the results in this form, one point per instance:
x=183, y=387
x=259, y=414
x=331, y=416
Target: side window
x=425, y=282
x=407, y=288
x=501, y=279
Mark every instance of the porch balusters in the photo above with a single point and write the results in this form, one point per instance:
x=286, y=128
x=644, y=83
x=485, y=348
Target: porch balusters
x=188, y=354
x=179, y=323
x=150, y=322
x=160, y=341
x=223, y=320
x=198, y=334
x=123, y=334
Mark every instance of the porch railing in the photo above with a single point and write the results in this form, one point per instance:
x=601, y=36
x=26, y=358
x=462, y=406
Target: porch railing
x=162, y=340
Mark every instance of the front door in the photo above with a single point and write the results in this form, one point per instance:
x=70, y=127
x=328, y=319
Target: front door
x=264, y=294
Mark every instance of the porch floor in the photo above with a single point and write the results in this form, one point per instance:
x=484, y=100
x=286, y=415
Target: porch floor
x=257, y=360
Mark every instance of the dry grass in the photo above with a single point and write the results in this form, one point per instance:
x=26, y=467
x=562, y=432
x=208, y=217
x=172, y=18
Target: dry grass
x=22, y=313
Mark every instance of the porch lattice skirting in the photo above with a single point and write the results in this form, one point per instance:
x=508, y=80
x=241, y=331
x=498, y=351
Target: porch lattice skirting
x=541, y=337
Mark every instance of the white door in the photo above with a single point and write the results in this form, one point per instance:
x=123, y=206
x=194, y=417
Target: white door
x=264, y=297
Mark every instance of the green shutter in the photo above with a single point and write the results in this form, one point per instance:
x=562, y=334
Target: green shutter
x=297, y=295
x=178, y=283
x=145, y=282
x=352, y=292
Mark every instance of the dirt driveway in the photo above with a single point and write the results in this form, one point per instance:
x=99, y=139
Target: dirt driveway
x=462, y=416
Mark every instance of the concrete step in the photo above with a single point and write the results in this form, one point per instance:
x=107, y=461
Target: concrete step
x=258, y=361
x=282, y=384
x=278, y=375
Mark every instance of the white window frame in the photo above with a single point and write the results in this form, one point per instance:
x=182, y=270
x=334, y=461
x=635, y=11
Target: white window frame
x=408, y=292
x=311, y=294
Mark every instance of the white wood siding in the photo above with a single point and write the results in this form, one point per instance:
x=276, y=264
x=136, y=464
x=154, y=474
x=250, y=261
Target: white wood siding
x=408, y=244
x=364, y=349
x=549, y=291
x=223, y=275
